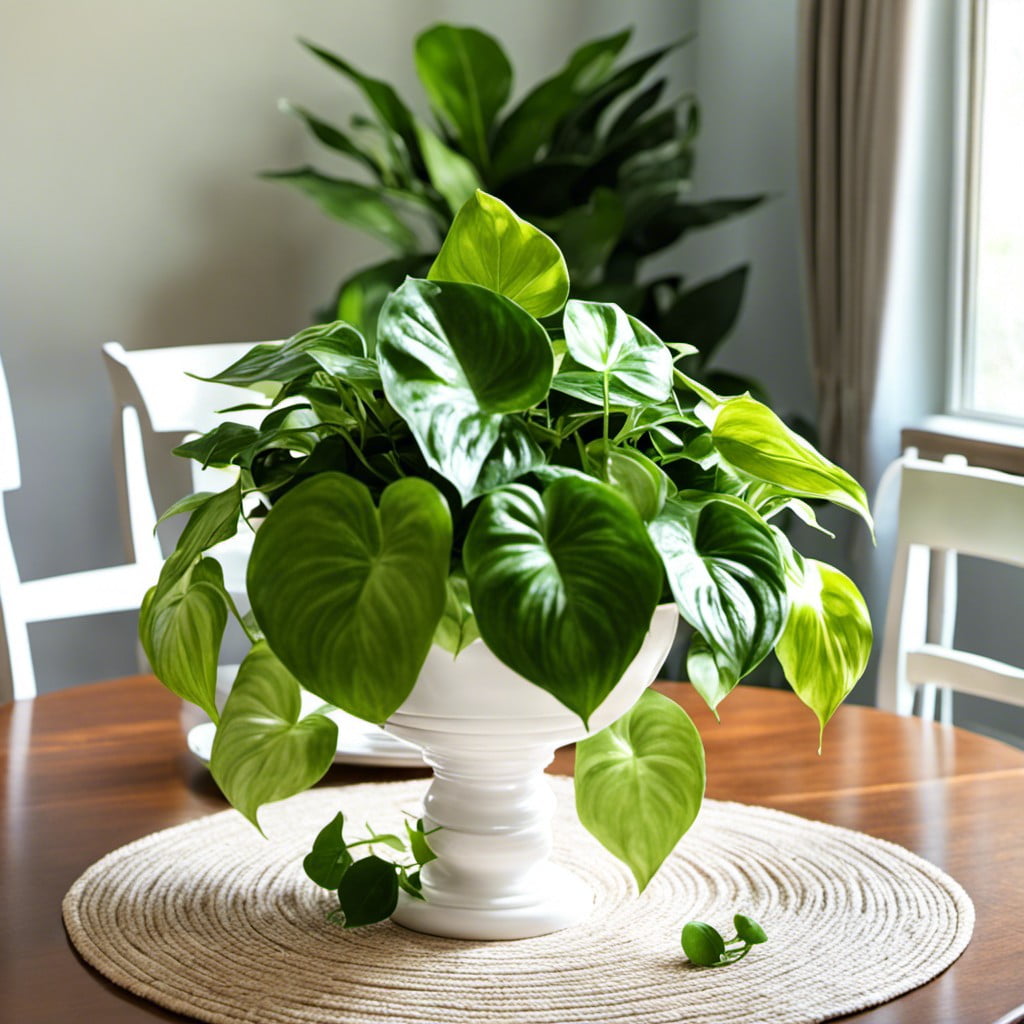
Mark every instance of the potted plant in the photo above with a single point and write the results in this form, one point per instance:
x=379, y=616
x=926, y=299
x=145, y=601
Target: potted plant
x=481, y=531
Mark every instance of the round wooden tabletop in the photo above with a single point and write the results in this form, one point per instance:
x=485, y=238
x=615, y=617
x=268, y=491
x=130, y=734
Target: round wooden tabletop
x=90, y=769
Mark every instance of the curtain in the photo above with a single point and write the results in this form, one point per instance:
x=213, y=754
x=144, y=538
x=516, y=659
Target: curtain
x=850, y=96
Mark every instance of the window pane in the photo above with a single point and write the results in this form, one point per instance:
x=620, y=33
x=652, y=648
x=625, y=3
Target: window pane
x=995, y=367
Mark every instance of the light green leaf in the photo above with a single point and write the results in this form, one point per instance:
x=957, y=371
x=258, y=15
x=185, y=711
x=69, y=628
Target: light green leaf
x=181, y=628
x=640, y=783
x=349, y=596
x=457, y=628
x=454, y=177
x=825, y=646
x=262, y=751
x=467, y=79
x=604, y=338
x=752, y=439
x=728, y=578
x=490, y=246
x=547, y=574
x=455, y=360
x=639, y=480
x=362, y=206
x=421, y=851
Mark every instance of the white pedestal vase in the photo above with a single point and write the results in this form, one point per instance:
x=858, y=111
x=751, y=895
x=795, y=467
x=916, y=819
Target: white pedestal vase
x=488, y=734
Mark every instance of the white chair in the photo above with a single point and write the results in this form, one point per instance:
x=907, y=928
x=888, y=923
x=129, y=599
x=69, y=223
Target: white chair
x=158, y=405
x=23, y=602
x=945, y=508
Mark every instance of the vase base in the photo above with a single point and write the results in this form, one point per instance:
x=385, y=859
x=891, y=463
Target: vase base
x=562, y=900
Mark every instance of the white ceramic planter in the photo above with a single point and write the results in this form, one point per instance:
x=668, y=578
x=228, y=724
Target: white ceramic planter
x=488, y=734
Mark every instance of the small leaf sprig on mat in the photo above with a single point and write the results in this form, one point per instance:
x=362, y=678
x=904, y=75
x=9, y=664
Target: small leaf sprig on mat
x=367, y=888
x=704, y=946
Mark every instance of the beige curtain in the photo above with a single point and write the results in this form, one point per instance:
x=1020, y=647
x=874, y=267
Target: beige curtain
x=850, y=95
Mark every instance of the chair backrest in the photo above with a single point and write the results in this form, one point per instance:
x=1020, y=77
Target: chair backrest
x=945, y=508
x=158, y=404
x=92, y=592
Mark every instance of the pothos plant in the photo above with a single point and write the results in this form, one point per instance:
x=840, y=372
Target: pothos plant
x=598, y=154
x=508, y=467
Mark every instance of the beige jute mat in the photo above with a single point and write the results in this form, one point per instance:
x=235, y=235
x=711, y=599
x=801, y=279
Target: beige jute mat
x=212, y=921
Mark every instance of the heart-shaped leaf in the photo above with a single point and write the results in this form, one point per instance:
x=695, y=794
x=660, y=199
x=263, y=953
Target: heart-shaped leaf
x=825, y=646
x=490, y=246
x=467, y=79
x=639, y=480
x=640, y=783
x=603, y=338
x=752, y=439
x=368, y=892
x=728, y=578
x=455, y=359
x=263, y=751
x=181, y=629
x=329, y=859
x=349, y=597
x=547, y=574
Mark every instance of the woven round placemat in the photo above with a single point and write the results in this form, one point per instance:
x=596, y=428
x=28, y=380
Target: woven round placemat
x=210, y=920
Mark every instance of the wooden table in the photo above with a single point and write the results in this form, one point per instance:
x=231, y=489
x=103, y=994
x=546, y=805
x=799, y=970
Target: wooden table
x=90, y=769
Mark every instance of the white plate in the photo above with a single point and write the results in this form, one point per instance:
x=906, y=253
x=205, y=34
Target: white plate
x=358, y=743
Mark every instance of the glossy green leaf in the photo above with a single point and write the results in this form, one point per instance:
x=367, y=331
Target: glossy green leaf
x=639, y=480
x=215, y=520
x=604, y=338
x=335, y=347
x=455, y=359
x=454, y=177
x=702, y=943
x=348, y=596
x=825, y=646
x=728, y=578
x=329, y=859
x=362, y=206
x=457, y=628
x=421, y=851
x=368, y=892
x=749, y=930
x=548, y=573
x=752, y=439
x=361, y=296
x=640, y=783
x=467, y=79
x=531, y=124
x=490, y=246
x=181, y=628
x=263, y=751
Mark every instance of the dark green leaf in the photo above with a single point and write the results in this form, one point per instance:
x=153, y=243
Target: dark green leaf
x=215, y=520
x=547, y=573
x=263, y=751
x=640, y=783
x=455, y=359
x=467, y=79
x=704, y=316
x=728, y=578
x=587, y=234
x=410, y=883
x=349, y=597
x=329, y=859
x=665, y=222
x=490, y=246
x=361, y=296
x=334, y=138
x=368, y=892
x=362, y=206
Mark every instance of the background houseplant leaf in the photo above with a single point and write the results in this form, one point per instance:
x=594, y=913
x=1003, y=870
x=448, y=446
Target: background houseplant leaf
x=263, y=751
x=547, y=573
x=490, y=246
x=349, y=596
x=451, y=378
x=454, y=177
x=752, y=439
x=467, y=79
x=825, y=646
x=728, y=578
x=640, y=783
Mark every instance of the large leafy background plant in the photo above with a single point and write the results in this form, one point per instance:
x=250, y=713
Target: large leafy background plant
x=599, y=155
x=506, y=463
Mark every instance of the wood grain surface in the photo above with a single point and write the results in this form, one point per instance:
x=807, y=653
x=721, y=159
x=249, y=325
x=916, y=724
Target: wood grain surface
x=90, y=769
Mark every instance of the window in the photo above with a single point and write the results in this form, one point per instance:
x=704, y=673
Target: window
x=989, y=378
